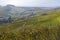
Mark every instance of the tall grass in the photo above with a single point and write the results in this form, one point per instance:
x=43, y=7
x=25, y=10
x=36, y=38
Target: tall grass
x=36, y=28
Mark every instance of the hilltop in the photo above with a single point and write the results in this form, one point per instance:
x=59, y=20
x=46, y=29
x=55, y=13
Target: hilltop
x=21, y=12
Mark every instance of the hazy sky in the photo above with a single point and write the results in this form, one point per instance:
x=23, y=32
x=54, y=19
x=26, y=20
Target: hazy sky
x=34, y=3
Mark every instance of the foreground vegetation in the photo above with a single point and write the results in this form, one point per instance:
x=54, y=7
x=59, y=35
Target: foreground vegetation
x=45, y=27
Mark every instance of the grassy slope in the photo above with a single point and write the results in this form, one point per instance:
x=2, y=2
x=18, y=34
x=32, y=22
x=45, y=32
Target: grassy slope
x=36, y=28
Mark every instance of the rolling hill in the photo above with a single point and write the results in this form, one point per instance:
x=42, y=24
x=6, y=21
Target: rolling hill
x=21, y=12
x=35, y=28
x=29, y=23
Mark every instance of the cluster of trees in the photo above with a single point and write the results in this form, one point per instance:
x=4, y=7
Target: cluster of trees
x=9, y=20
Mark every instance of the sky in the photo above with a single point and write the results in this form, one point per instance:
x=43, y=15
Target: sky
x=31, y=3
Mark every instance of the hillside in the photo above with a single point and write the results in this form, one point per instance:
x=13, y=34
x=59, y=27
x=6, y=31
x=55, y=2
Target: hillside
x=36, y=28
x=21, y=12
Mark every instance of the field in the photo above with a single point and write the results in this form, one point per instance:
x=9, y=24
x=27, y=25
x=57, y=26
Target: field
x=45, y=27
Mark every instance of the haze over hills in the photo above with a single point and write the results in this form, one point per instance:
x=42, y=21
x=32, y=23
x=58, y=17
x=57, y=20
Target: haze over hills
x=23, y=12
x=20, y=12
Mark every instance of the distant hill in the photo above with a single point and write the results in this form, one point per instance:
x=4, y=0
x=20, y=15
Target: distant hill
x=24, y=12
x=20, y=12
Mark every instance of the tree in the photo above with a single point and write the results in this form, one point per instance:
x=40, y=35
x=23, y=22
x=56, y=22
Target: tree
x=10, y=19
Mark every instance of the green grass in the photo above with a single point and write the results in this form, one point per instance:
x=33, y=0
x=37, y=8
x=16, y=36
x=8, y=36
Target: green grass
x=36, y=28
